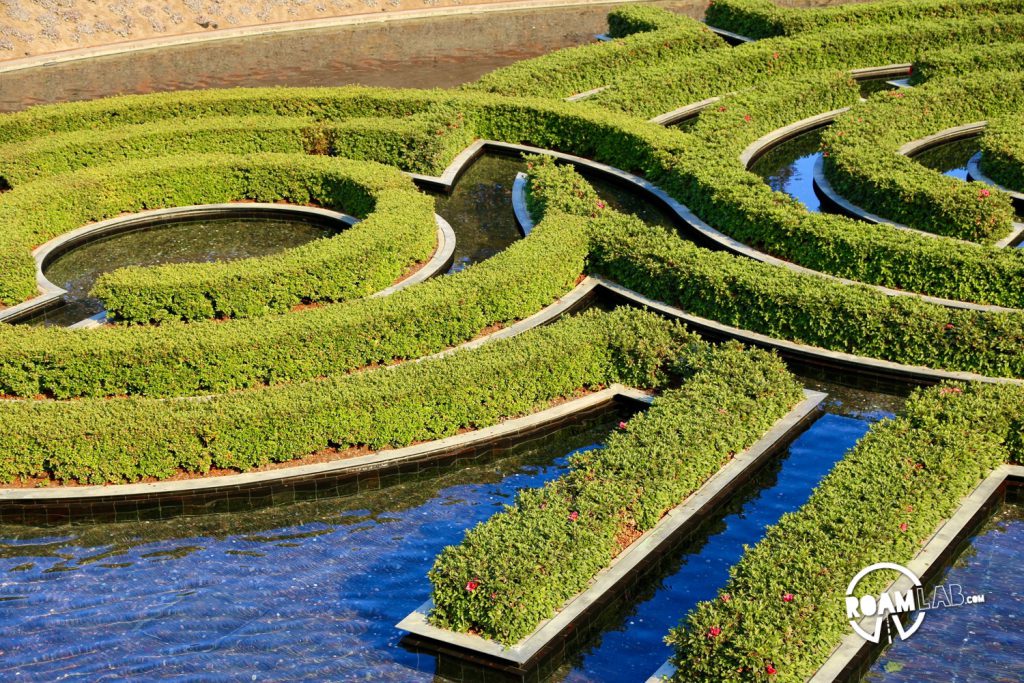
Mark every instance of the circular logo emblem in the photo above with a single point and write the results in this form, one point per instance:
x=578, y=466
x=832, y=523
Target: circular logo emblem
x=885, y=608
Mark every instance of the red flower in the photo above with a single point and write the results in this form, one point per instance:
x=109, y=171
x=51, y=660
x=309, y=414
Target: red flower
x=983, y=192
x=600, y=204
x=904, y=527
x=573, y=516
x=726, y=597
x=787, y=597
x=473, y=585
x=747, y=118
x=722, y=108
x=714, y=632
x=770, y=670
x=623, y=425
x=950, y=326
x=775, y=55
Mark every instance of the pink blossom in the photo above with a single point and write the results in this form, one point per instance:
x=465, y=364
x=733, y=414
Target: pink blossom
x=714, y=632
x=787, y=597
x=904, y=526
x=623, y=425
x=770, y=670
x=573, y=516
x=747, y=118
x=983, y=192
x=473, y=585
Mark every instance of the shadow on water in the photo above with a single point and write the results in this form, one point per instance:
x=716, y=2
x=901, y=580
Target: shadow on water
x=789, y=167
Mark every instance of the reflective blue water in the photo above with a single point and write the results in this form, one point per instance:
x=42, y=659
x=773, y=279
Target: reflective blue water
x=950, y=158
x=634, y=650
x=789, y=167
x=302, y=592
x=974, y=642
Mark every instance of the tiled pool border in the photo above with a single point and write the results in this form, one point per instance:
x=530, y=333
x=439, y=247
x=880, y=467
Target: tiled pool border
x=680, y=520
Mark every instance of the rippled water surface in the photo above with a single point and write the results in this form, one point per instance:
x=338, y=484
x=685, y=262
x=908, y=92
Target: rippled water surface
x=974, y=642
x=309, y=591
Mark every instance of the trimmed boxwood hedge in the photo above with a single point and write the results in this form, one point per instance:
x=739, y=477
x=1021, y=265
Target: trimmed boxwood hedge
x=126, y=439
x=420, y=143
x=1002, y=151
x=913, y=470
x=764, y=19
x=578, y=69
x=516, y=569
x=803, y=308
x=705, y=174
x=674, y=82
x=399, y=230
x=631, y=19
x=965, y=60
x=863, y=165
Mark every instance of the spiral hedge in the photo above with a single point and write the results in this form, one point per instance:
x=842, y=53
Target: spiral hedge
x=220, y=369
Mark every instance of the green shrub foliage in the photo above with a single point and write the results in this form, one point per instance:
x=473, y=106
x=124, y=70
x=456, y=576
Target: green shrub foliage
x=126, y=439
x=1002, y=152
x=879, y=504
x=513, y=571
x=863, y=164
x=632, y=19
x=764, y=19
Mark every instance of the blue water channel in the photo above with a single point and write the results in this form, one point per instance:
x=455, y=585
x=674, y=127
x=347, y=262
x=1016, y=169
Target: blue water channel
x=311, y=591
x=635, y=648
x=974, y=642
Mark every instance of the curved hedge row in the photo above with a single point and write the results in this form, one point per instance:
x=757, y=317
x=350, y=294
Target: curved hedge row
x=964, y=60
x=516, y=569
x=765, y=19
x=671, y=83
x=422, y=142
x=1002, y=151
x=629, y=20
x=706, y=175
x=803, y=308
x=873, y=507
x=179, y=359
x=574, y=70
x=112, y=440
x=399, y=231
x=863, y=164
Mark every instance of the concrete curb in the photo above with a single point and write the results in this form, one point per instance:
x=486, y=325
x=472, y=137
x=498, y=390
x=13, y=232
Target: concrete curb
x=680, y=520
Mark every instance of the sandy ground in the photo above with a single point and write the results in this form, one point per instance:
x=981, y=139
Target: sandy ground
x=35, y=27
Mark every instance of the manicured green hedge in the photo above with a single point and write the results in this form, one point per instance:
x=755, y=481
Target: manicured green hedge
x=880, y=503
x=399, y=231
x=962, y=61
x=420, y=143
x=578, y=69
x=705, y=174
x=631, y=19
x=513, y=571
x=764, y=19
x=677, y=81
x=864, y=166
x=178, y=359
x=112, y=440
x=1002, y=151
x=792, y=306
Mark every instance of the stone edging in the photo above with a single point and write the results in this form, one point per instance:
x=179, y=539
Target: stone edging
x=522, y=212
x=80, y=54
x=680, y=520
x=975, y=174
x=854, y=654
x=77, y=497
